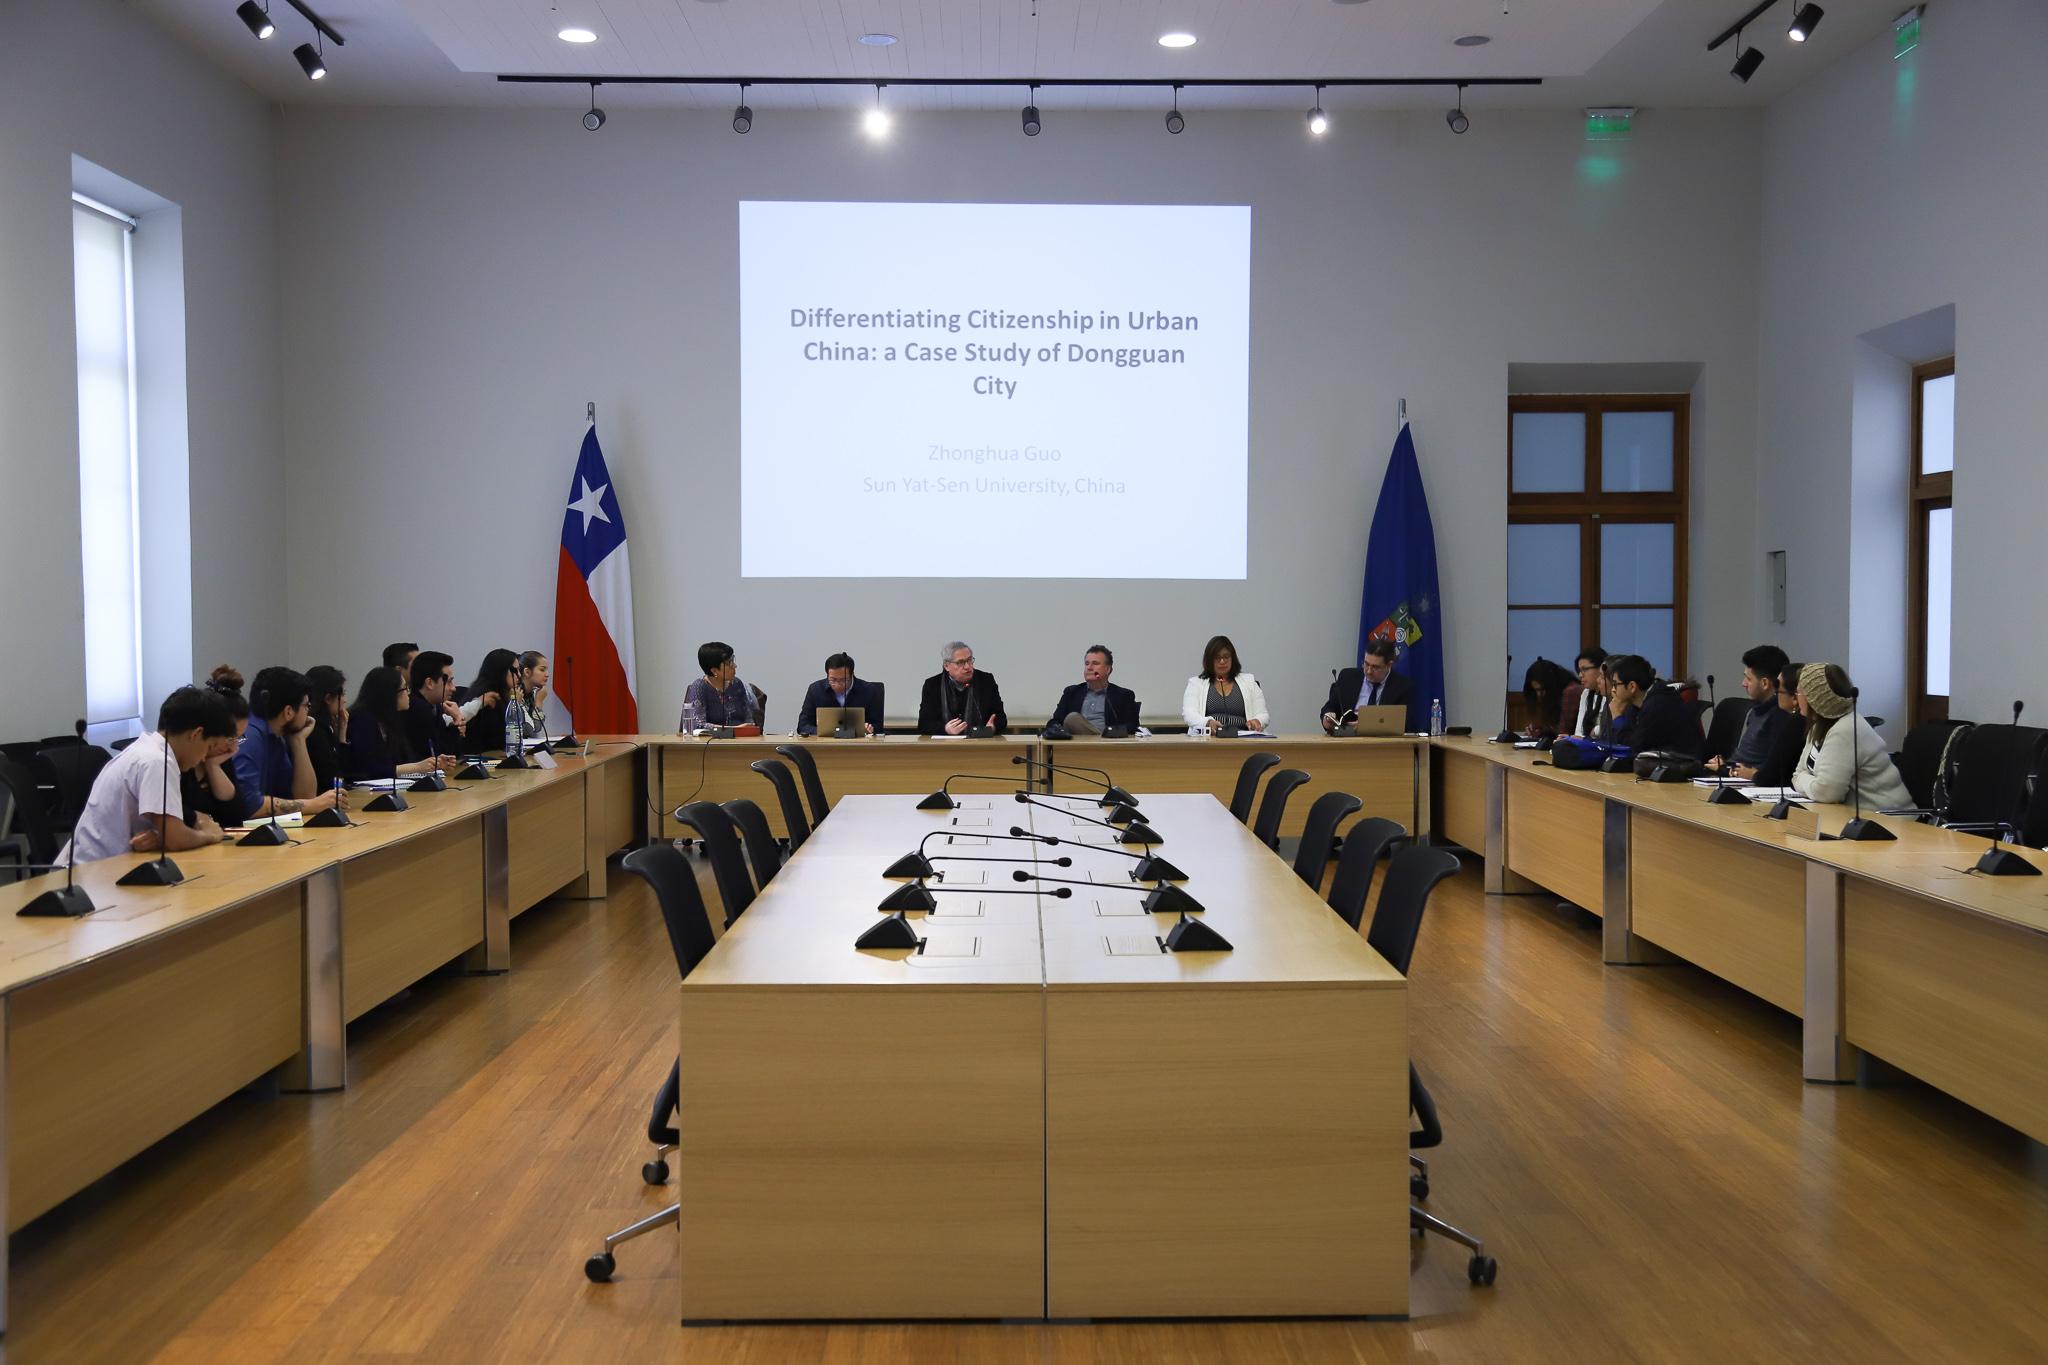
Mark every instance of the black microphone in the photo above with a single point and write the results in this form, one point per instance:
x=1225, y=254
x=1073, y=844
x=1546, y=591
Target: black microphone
x=1165, y=898
x=1137, y=832
x=1710, y=692
x=917, y=896
x=915, y=864
x=1859, y=830
x=1112, y=795
x=160, y=871
x=69, y=900
x=2017, y=707
x=1506, y=736
x=1186, y=936
x=1999, y=861
x=942, y=799
x=1151, y=867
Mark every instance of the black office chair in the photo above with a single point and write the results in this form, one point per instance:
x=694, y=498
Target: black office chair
x=667, y=870
x=31, y=812
x=1724, y=731
x=1319, y=835
x=1984, y=784
x=760, y=703
x=1273, y=805
x=801, y=759
x=728, y=864
x=1923, y=757
x=60, y=741
x=777, y=773
x=14, y=854
x=118, y=745
x=70, y=770
x=762, y=849
x=1248, y=784
x=2033, y=830
x=1359, y=859
x=1411, y=877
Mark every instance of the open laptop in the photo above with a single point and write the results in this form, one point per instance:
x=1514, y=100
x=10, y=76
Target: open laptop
x=842, y=722
x=1375, y=721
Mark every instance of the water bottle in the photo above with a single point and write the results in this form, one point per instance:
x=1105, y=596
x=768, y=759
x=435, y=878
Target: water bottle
x=337, y=796
x=1436, y=716
x=693, y=716
x=515, y=733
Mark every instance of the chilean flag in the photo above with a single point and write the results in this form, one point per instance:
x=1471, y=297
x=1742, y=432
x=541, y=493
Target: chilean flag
x=593, y=672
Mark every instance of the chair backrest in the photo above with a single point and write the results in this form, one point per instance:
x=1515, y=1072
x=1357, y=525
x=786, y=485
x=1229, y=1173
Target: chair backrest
x=1273, y=806
x=118, y=745
x=71, y=769
x=1351, y=887
x=762, y=850
x=60, y=741
x=2034, y=820
x=1990, y=768
x=806, y=765
x=760, y=703
x=778, y=775
x=1919, y=757
x=1248, y=784
x=667, y=869
x=1724, y=731
x=1411, y=876
x=1319, y=833
x=728, y=864
x=31, y=813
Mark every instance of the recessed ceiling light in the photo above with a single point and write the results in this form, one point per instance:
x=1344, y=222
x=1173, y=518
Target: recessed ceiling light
x=577, y=35
x=877, y=40
x=1176, y=40
x=1472, y=40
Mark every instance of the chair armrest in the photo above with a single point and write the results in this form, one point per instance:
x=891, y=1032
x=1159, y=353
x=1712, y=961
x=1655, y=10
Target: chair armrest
x=14, y=857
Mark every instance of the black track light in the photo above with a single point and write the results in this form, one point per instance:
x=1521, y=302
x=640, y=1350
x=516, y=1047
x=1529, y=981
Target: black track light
x=257, y=17
x=1174, y=121
x=1746, y=65
x=593, y=120
x=1804, y=23
x=1031, y=119
x=309, y=61
x=1456, y=119
x=742, y=117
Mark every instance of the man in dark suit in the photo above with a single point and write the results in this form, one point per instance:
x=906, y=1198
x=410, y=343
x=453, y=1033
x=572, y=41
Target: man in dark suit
x=840, y=688
x=958, y=699
x=1375, y=683
x=1095, y=698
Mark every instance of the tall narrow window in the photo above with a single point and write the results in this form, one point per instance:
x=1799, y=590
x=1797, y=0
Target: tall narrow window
x=1597, y=527
x=103, y=280
x=1932, y=498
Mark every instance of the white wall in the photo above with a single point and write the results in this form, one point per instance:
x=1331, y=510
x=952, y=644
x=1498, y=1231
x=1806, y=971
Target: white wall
x=460, y=283
x=1892, y=188
x=92, y=78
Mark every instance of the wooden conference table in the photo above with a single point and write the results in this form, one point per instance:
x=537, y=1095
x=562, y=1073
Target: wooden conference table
x=1042, y=1113
x=126, y=1023
x=1892, y=948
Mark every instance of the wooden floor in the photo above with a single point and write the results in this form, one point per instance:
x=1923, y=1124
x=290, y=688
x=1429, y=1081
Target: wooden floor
x=1635, y=1144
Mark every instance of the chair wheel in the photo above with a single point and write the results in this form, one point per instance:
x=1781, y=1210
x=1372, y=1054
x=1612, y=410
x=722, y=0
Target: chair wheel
x=1418, y=1187
x=655, y=1172
x=1480, y=1270
x=599, y=1268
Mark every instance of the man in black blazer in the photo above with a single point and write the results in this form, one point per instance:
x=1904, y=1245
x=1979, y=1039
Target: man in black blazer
x=1375, y=683
x=1095, y=698
x=957, y=698
x=839, y=687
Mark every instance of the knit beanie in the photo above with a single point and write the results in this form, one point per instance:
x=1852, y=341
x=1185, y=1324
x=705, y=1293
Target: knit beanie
x=1825, y=701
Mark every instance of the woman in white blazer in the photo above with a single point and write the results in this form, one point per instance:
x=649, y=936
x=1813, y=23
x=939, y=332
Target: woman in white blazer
x=1222, y=696
x=1842, y=751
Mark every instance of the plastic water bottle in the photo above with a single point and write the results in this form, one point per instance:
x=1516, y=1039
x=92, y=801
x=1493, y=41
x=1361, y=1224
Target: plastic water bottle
x=515, y=733
x=1436, y=716
x=693, y=716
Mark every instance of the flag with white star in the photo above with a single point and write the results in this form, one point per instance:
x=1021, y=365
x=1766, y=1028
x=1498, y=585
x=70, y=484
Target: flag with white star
x=593, y=671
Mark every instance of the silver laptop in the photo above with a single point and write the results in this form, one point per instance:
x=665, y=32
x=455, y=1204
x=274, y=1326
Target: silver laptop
x=842, y=722
x=1376, y=721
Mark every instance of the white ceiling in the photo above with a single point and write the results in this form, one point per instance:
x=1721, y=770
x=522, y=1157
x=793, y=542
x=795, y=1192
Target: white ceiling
x=1650, y=53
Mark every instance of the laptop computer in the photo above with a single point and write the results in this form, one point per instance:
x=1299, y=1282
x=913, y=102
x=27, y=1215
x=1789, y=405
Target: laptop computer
x=842, y=722
x=1375, y=721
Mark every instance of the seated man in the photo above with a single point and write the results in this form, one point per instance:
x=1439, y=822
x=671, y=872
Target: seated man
x=1095, y=698
x=433, y=723
x=957, y=699
x=274, y=773
x=1764, y=725
x=1373, y=683
x=1648, y=714
x=135, y=804
x=839, y=687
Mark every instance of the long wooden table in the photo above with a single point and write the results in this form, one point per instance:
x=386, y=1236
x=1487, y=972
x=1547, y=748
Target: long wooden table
x=1893, y=948
x=126, y=1023
x=1041, y=1113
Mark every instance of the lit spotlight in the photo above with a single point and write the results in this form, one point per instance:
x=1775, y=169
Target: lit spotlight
x=876, y=120
x=577, y=35
x=1804, y=23
x=257, y=17
x=1318, y=121
x=1176, y=40
x=309, y=61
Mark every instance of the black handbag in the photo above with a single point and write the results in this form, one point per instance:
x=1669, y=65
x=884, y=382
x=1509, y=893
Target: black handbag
x=1667, y=765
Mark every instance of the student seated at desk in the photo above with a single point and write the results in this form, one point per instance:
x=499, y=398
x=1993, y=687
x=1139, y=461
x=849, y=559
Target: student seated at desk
x=1095, y=698
x=1585, y=701
x=1842, y=752
x=1789, y=741
x=483, y=709
x=957, y=699
x=378, y=745
x=1223, y=697
x=209, y=789
x=1648, y=714
x=530, y=694
x=839, y=687
x=401, y=655
x=328, y=738
x=1543, y=689
x=721, y=698
x=1767, y=724
x=135, y=803
x=273, y=772
x=434, y=723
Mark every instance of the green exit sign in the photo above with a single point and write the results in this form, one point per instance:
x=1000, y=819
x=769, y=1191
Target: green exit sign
x=1906, y=33
x=1608, y=125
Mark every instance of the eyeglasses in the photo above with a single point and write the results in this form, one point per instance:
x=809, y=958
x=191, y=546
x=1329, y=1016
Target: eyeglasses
x=960, y=663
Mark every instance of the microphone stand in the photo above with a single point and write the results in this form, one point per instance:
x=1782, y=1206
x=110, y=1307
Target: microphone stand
x=1859, y=830
x=1137, y=832
x=915, y=864
x=1506, y=736
x=1186, y=936
x=1151, y=867
x=159, y=871
x=1112, y=794
x=568, y=741
x=67, y=901
x=2003, y=862
x=942, y=799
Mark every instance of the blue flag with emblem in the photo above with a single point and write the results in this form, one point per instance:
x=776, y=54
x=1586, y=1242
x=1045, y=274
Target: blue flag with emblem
x=1400, y=598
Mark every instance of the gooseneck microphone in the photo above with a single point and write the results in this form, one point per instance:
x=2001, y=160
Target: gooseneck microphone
x=1164, y=898
x=1186, y=936
x=68, y=901
x=1151, y=867
x=1137, y=832
x=1859, y=830
x=1112, y=794
x=915, y=864
x=1711, y=703
x=915, y=895
x=1999, y=861
x=1506, y=736
x=160, y=870
x=942, y=799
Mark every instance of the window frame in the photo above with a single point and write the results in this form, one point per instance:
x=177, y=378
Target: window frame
x=1924, y=494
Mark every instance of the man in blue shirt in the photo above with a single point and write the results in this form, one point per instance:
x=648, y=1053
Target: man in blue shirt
x=839, y=687
x=273, y=773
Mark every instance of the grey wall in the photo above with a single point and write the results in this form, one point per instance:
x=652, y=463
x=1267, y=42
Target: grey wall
x=1891, y=189
x=459, y=284
x=91, y=78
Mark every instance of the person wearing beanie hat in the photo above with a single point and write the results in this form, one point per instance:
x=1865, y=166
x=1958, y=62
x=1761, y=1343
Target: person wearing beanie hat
x=1842, y=752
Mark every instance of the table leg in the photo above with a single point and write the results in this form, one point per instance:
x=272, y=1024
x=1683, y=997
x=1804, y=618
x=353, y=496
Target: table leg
x=322, y=1063
x=1826, y=1056
x=494, y=954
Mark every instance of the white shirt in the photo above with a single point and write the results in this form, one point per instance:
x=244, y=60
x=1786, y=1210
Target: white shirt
x=129, y=791
x=1194, y=702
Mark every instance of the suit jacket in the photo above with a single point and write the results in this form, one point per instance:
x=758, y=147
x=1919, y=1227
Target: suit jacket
x=988, y=700
x=1120, y=706
x=1665, y=721
x=860, y=692
x=1786, y=740
x=429, y=733
x=1351, y=681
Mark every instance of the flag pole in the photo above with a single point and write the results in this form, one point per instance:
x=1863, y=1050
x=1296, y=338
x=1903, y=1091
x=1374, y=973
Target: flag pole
x=1401, y=416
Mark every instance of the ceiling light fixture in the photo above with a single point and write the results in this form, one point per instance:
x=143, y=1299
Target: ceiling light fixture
x=1174, y=121
x=257, y=17
x=593, y=120
x=1472, y=40
x=1804, y=22
x=876, y=121
x=876, y=40
x=311, y=59
x=1176, y=40
x=1032, y=123
x=1318, y=121
x=1456, y=119
x=577, y=35
x=742, y=117
x=1746, y=64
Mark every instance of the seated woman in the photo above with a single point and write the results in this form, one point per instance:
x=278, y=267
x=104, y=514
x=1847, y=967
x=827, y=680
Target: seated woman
x=329, y=735
x=1842, y=753
x=722, y=699
x=377, y=743
x=483, y=712
x=1223, y=697
x=531, y=692
x=1543, y=688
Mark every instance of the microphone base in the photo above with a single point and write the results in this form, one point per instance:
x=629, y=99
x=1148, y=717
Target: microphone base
x=910, y=896
x=1727, y=796
x=472, y=772
x=938, y=800
x=329, y=819
x=67, y=902
x=1865, y=831
x=264, y=836
x=1166, y=898
x=981, y=732
x=1781, y=810
x=387, y=801
x=511, y=762
x=909, y=865
x=1117, y=796
x=1141, y=834
x=1506, y=736
x=893, y=932
x=1055, y=734
x=1618, y=764
x=1117, y=732
x=1123, y=815
x=1193, y=936
x=1153, y=868
x=428, y=782
x=155, y=872
x=2003, y=862
x=566, y=743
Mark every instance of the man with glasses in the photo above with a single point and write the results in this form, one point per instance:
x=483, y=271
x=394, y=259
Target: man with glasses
x=433, y=723
x=1585, y=702
x=1373, y=683
x=957, y=699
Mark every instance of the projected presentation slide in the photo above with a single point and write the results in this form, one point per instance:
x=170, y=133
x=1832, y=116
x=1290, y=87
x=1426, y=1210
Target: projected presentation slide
x=993, y=390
